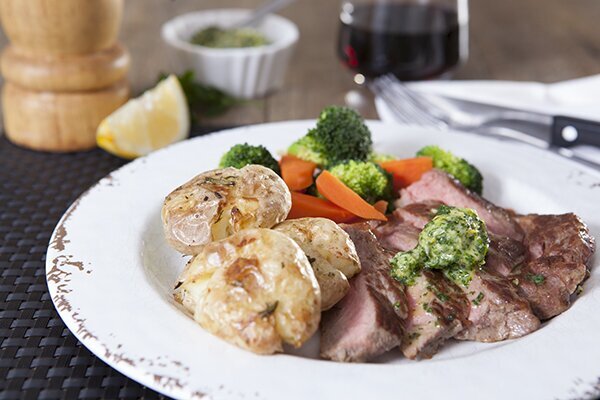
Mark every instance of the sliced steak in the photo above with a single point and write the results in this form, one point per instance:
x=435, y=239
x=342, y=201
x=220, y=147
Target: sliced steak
x=497, y=311
x=438, y=186
x=559, y=252
x=417, y=214
x=557, y=235
x=368, y=321
x=504, y=255
x=396, y=235
x=437, y=311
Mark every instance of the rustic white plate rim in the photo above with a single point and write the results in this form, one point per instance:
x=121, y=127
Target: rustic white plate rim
x=108, y=272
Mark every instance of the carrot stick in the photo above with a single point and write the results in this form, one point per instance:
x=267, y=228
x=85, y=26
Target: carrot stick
x=304, y=205
x=341, y=195
x=381, y=206
x=408, y=170
x=297, y=173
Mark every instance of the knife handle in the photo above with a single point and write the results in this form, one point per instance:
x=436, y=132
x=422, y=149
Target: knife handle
x=568, y=131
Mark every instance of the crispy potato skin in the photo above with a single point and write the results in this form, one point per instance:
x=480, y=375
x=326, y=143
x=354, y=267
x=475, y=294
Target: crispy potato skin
x=221, y=202
x=255, y=289
x=331, y=252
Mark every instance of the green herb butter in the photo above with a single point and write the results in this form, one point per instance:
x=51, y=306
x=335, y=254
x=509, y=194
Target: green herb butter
x=216, y=37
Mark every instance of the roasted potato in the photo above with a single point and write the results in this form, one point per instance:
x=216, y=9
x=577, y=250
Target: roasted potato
x=255, y=289
x=221, y=202
x=330, y=251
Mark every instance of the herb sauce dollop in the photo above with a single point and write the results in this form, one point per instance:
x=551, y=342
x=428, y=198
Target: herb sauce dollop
x=455, y=241
x=219, y=38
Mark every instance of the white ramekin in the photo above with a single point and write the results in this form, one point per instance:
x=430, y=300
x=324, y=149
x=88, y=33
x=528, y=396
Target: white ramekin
x=242, y=72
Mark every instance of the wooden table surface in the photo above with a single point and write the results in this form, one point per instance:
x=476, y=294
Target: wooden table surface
x=548, y=41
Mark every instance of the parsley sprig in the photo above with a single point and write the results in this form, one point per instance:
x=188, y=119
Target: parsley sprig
x=204, y=101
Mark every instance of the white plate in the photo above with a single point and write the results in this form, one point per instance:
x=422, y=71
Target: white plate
x=110, y=275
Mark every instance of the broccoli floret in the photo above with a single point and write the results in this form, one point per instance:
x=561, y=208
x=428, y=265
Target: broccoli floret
x=241, y=155
x=466, y=173
x=340, y=135
x=379, y=157
x=306, y=149
x=365, y=178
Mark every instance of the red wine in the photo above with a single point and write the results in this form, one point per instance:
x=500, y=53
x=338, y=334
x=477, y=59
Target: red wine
x=412, y=41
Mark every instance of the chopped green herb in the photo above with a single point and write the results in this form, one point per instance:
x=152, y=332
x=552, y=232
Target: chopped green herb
x=220, y=38
x=477, y=300
x=538, y=279
x=397, y=305
x=270, y=309
x=413, y=336
x=407, y=265
x=204, y=101
x=427, y=307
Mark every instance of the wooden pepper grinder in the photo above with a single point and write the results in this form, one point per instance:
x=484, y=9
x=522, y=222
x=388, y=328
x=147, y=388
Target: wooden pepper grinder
x=64, y=71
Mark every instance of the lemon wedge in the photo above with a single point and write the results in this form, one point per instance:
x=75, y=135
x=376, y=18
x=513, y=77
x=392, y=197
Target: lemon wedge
x=156, y=119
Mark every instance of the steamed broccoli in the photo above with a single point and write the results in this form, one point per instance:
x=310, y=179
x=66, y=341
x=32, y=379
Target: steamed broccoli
x=340, y=135
x=241, y=155
x=381, y=157
x=466, y=173
x=307, y=149
x=366, y=179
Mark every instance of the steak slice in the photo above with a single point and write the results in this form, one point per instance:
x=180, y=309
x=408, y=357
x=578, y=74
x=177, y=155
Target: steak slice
x=437, y=311
x=504, y=255
x=437, y=308
x=438, y=186
x=557, y=235
x=559, y=252
x=396, y=235
x=367, y=322
x=497, y=312
x=418, y=214
x=494, y=309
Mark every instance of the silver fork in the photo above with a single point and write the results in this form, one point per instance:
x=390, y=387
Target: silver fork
x=412, y=107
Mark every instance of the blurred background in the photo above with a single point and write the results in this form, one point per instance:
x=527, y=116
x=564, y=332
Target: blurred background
x=530, y=40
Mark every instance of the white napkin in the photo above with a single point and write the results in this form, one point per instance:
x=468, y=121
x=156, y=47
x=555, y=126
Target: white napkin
x=576, y=98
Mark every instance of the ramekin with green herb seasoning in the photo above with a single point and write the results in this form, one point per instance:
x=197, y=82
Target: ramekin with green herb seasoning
x=219, y=38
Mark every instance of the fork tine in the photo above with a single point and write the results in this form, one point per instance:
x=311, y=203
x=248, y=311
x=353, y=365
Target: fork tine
x=408, y=115
x=422, y=101
x=430, y=110
x=400, y=100
x=398, y=112
x=405, y=108
x=404, y=104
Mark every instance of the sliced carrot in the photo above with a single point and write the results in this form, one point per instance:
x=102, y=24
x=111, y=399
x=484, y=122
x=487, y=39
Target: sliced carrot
x=341, y=195
x=297, y=173
x=381, y=206
x=304, y=205
x=408, y=170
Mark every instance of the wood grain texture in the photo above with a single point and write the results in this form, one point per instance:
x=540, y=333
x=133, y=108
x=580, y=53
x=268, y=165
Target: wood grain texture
x=70, y=73
x=55, y=121
x=548, y=41
x=61, y=27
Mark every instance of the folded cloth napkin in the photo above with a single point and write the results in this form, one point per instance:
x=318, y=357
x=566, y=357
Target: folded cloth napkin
x=575, y=98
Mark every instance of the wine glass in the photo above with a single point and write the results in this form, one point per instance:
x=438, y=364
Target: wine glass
x=412, y=39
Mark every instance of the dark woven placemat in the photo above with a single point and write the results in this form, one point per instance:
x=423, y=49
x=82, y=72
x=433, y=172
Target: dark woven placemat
x=39, y=357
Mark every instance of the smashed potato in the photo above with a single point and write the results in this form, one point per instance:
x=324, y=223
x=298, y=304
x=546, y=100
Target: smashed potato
x=221, y=202
x=330, y=251
x=255, y=289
